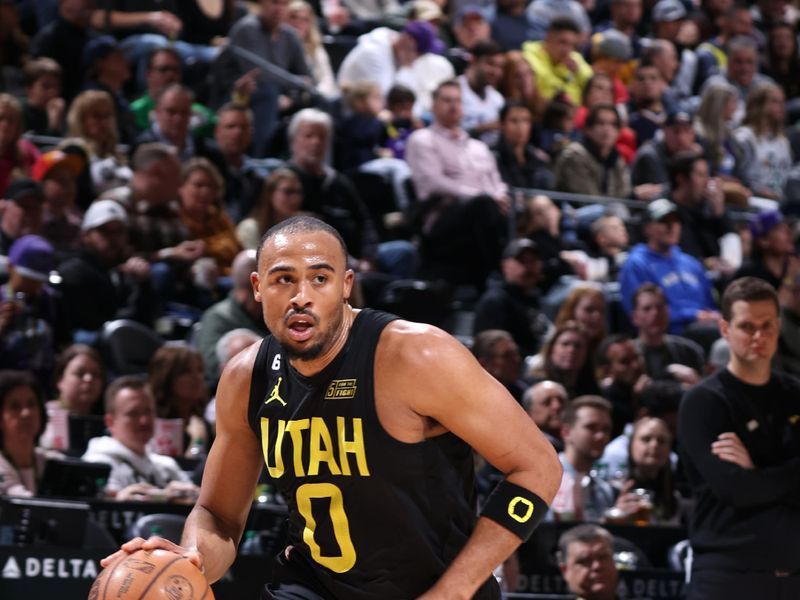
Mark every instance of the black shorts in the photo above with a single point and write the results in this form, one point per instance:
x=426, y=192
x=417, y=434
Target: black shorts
x=289, y=591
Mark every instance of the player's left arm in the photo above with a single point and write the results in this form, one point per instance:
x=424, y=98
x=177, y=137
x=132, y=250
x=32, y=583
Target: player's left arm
x=441, y=383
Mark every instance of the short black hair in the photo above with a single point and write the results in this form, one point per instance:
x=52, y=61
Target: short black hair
x=682, y=164
x=748, y=289
x=594, y=114
x=163, y=50
x=661, y=397
x=400, y=94
x=601, y=356
x=11, y=379
x=300, y=224
x=563, y=24
x=485, y=48
x=511, y=105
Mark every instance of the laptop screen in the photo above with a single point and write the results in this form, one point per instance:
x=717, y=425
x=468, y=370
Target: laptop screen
x=73, y=478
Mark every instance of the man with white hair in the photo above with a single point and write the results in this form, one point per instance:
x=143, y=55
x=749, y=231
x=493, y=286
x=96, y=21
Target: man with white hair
x=544, y=402
x=332, y=197
x=228, y=346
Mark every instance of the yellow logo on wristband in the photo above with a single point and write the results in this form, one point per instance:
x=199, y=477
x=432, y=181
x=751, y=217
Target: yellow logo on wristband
x=513, y=505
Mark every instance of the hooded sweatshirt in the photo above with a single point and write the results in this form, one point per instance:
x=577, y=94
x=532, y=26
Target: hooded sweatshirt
x=128, y=467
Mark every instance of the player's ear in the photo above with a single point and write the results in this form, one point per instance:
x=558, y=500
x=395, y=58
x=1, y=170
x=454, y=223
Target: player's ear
x=349, y=278
x=724, y=328
x=255, y=281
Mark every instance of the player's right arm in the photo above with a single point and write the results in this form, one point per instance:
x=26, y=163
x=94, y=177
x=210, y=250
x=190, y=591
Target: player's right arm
x=215, y=524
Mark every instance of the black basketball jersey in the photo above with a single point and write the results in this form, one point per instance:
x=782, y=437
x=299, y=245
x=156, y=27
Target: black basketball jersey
x=370, y=517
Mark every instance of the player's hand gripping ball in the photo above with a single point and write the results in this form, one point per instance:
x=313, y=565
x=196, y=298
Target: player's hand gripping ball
x=156, y=575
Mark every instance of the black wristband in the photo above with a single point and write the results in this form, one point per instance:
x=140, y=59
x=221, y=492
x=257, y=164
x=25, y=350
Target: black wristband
x=516, y=508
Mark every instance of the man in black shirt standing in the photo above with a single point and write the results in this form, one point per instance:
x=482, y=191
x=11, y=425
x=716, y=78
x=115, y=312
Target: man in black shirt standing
x=739, y=432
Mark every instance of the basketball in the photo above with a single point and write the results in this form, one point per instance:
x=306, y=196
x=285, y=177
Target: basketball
x=156, y=575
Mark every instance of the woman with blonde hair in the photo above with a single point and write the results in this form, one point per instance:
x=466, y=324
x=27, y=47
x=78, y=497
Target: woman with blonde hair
x=199, y=205
x=281, y=198
x=712, y=122
x=767, y=153
x=92, y=118
x=301, y=17
x=17, y=155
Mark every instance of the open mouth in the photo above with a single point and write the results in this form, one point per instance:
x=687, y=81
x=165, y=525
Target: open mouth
x=301, y=327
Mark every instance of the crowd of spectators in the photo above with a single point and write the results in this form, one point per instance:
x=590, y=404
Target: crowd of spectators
x=582, y=178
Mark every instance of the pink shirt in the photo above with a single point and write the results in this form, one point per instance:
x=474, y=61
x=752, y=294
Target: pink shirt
x=451, y=163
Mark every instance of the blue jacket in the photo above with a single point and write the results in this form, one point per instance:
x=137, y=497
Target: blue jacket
x=681, y=276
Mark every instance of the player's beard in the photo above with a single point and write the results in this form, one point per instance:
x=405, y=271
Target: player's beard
x=318, y=347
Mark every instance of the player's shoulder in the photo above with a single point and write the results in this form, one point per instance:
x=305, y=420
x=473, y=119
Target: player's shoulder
x=415, y=344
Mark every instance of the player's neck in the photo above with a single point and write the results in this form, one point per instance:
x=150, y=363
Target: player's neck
x=755, y=373
x=315, y=365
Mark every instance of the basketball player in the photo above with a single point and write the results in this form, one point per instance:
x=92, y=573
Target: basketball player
x=366, y=423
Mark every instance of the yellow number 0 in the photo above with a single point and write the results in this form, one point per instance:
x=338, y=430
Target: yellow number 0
x=341, y=528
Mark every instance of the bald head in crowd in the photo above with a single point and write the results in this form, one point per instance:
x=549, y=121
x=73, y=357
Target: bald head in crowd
x=544, y=402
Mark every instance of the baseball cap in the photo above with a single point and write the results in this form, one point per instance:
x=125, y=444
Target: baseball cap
x=612, y=43
x=98, y=48
x=423, y=34
x=101, y=212
x=678, y=117
x=764, y=222
x=668, y=10
x=33, y=257
x=484, y=12
x=658, y=209
x=52, y=159
x=22, y=188
x=517, y=246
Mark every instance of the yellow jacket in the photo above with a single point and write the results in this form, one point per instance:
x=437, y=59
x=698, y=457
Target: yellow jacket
x=553, y=78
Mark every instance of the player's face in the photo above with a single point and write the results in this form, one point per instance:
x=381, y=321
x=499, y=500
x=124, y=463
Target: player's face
x=303, y=285
x=589, y=570
x=133, y=419
x=752, y=332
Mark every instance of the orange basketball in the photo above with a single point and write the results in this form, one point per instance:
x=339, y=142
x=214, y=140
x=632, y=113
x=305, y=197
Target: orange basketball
x=156, y=575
